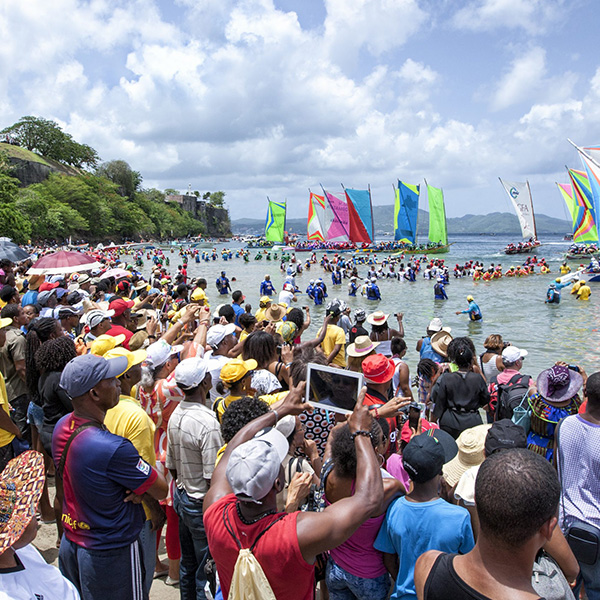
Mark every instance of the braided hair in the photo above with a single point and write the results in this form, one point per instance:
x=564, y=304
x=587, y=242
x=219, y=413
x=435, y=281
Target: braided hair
x=40, y=331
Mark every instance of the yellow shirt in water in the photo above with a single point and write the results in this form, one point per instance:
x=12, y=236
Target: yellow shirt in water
x=335, y=335
x=5, y=436
x=584, y=292
x=564, y=269
x=576, y=286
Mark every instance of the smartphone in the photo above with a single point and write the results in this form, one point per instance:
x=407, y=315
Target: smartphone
x=332, y=389
x=574, y=368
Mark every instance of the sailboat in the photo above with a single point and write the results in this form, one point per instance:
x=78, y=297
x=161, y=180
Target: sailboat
x=520, y=197
x=275, y=222
x=406, y=211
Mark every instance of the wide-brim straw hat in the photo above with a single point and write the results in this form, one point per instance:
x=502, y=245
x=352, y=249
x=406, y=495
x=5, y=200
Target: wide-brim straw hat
x=377, y=318
x=471, y=443
x=362, y=346
x=558, y=384
x=21, y=485
x=275, y=312
x=440, y=341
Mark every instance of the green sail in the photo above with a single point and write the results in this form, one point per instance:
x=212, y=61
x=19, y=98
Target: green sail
x=275, y=223
x=437, y=216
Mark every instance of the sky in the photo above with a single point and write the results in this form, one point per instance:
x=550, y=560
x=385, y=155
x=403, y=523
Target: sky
x=275, y=97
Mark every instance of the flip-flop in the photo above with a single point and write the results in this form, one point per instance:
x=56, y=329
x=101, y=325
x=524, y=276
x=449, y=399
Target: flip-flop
x=158, y=574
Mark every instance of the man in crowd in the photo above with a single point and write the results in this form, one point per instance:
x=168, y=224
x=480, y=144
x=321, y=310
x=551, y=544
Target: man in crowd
x=69, y=319
x=103, y=478
x=237, y=300
x=121, y=319
x=98, y=322
x=221, y=339
x=194, y=438
x=223, y=285
x=357, y=329
x=334, y=343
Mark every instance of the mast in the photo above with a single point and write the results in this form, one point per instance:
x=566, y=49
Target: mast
x=532, y=213
x=372, y=217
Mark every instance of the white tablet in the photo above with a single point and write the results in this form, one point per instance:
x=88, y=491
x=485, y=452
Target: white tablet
x=332, y=389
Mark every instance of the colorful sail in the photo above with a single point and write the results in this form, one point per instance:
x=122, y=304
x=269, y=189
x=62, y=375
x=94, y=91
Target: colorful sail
x=585, y=230
x=591, y=162
x=336, y=218
x=316, y=218
x=275, y=223
x=360, y=216
x=406, y=211
x=566, y=191
x=438, y=233
x=520, y=196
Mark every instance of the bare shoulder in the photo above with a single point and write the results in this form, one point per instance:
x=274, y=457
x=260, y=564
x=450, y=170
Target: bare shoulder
x=422, y=570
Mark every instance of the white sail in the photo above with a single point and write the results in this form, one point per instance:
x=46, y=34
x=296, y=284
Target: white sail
x=520, y=196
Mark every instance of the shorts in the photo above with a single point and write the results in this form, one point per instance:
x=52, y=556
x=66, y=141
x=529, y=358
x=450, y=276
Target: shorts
x=345, y=586
x=35, y=415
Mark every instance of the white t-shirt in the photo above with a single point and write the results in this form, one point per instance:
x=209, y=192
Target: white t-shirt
x=35, y=578
x=286, y=297
x=465, y=489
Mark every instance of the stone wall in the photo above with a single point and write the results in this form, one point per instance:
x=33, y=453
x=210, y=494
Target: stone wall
x=216, y=219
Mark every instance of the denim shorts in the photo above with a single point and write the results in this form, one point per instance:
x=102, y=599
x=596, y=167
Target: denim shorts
x=345, y=586
x=35, y=415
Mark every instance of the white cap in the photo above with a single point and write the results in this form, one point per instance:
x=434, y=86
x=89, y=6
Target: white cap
x=190, y=373
x=435, y=324
x=373, y=280
x=94, y=317
x=160, y=352
x=217, y=333
x=511, y=354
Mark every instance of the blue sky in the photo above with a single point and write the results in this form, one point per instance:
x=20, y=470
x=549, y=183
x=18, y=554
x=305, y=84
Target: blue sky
x=272, y=97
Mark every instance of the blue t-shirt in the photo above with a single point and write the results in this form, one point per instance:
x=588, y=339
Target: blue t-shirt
x=238, y=310
x=100, y=468
x=411, y=528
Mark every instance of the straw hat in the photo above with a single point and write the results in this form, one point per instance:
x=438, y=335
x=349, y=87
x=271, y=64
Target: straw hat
x=362, y=346
x=377, y=318
x=275, y=312
x=440, y=341
x=471, y=443
x=21, y=485
x=35, y=281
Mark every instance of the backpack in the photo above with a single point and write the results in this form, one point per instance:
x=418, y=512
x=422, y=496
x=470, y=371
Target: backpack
x=248, y=581
x=509, y=395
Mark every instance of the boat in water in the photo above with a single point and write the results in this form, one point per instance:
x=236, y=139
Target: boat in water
x=520, y=197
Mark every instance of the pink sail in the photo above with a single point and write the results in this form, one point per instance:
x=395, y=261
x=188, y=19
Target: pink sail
x=338, y=220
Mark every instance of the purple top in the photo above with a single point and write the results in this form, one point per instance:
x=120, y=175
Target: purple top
x=395, y=468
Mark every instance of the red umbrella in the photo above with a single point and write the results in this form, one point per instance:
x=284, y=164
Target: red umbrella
x=63, y=262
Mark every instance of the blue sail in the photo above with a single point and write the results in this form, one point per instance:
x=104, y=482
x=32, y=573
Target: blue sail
x=406, y=211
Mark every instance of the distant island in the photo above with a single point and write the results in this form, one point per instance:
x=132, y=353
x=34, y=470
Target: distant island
x=499, y=223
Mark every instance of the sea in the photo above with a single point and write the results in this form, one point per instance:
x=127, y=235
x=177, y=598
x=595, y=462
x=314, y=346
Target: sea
x=512, y=307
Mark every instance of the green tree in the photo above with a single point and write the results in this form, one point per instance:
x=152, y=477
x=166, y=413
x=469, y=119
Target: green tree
x=119, y=172
x=47, y=138
x=171, y=192
x=217, y=199
x=12, y=223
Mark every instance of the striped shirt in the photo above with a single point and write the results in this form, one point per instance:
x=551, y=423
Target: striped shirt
x=194, y=438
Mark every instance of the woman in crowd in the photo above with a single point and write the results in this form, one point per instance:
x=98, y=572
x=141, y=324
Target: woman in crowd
x=362, y=347
x=271, y=374
x=401, y=379
x=382, y=332
x=236, y=378
x=491, y=359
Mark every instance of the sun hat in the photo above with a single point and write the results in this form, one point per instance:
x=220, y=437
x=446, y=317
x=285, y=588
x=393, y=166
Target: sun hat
x=511, y=354
x=134, y=357
x=362, y=346
x=558, y=384
x=83, y=278
x=21, y=485
x=94, y=317
x=141, y=286
x=377, y=318
x=5, y=322
x=275, y=313
x=103, y=343
x=190, y=372
x=120, y=306
x=435, y=325
x=504, y=435
x=287, y=330
x=236, y=369
x=254, y=466
x=159, y=353
x=440, y=341
x=217, y=333
x=82, y=373
x=138, y=339
x=470, y=453
x=377, y=368
x=35, y=281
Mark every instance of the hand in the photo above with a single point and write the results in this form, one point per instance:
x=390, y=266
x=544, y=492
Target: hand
x=287, y=354
x=457, y=312
x=399, y=316
x=152, y=325
x=132, y=497
x=293, y=403
x=298, y=490
x=361, y=418
x=393, y=407
x=309, y=447
x=270, y=328
x=158, y=517
x=189, y=314
x=223, y=321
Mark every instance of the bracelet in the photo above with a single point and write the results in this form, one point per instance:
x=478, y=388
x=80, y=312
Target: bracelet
x=276, y=415
x=152, y=337
x=360, y=432
x=376, y=412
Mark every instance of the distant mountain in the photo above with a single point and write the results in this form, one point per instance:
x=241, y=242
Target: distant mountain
x=496, y=223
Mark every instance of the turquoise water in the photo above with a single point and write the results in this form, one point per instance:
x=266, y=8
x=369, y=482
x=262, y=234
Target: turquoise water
x=512, y=307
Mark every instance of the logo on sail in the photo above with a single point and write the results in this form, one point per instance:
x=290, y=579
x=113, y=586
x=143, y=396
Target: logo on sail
x=514, y=192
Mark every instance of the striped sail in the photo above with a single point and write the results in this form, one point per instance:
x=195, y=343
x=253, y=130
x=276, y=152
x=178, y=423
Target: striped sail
x=585, y=230
x=316, y=218
x=275, y=222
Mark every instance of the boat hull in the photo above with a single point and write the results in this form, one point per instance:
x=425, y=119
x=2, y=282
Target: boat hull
x=581, y=256
x=435, y=250
x=524, y=250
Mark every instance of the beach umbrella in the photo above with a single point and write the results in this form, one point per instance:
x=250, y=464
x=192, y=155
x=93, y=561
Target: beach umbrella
x=117, y=273
x=12, y=251
x=63, y=261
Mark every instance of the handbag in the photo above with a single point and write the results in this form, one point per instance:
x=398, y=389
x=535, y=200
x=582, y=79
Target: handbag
x=548, y=580
x=522, y=414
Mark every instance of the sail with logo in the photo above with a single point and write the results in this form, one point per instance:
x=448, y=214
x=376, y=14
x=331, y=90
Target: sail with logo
x=520, y=196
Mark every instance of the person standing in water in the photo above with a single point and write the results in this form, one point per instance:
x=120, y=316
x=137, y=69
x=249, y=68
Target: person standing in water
x=473, y=310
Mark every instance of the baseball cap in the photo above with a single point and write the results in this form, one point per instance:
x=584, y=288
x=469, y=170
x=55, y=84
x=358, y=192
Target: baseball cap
x=217, y=333
x=60, y=292
x=134, y=357
x=47, y=286
x=264, y=300
x=512, y=354
x=435, y=324
x=82, y=373
x=503, y=435
x=377, y=368
x=470, y=298
x=334, y=307
x=190, y=372
x=103, y=343
x=236, y=368
x=95, y=317
x=159, y=353
x=423, y=458
x=64, y=312
x=43, y=297
x=255, y=465
x=197, y=295
x=120, y=306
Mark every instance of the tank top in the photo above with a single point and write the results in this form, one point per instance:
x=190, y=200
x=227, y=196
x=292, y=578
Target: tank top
x=428, y=352
x=443, y=582
x=489, y=368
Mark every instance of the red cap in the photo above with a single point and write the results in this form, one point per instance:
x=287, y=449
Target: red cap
x=378, y=369
x=46, y=287
x=120, y=306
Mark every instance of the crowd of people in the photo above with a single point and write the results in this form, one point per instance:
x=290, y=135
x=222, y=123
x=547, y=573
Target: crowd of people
x=159, y=417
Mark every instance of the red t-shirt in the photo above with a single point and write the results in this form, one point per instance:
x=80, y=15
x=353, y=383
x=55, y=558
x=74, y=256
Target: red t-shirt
x=374, y=398
x=278, y=551
x=116, y=330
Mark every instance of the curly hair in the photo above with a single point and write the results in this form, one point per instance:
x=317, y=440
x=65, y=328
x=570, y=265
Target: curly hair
x=239, y=413
x=54, y=355
x=343, y=449
x=40, y=331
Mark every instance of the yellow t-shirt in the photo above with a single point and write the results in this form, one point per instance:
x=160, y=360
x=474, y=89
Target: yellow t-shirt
x=576, y=287
x=243, y=335
x=584, y=292
x=5, y=436
x=565, y=269
x=129, y=420
x=260, y=314
x=335, y=335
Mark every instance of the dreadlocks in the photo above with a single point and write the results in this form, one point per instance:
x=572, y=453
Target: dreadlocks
x=40, y=331
x=54, y=354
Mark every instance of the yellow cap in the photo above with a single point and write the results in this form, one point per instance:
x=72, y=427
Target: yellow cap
x=264, y=300
x=133, y=358
x=557, y=280
x=103, y=343
x=470, y=298
x=198, y=294
x=236, y=369
x=5, y=322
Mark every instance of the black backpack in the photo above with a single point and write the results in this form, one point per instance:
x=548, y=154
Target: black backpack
x=510, y=395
